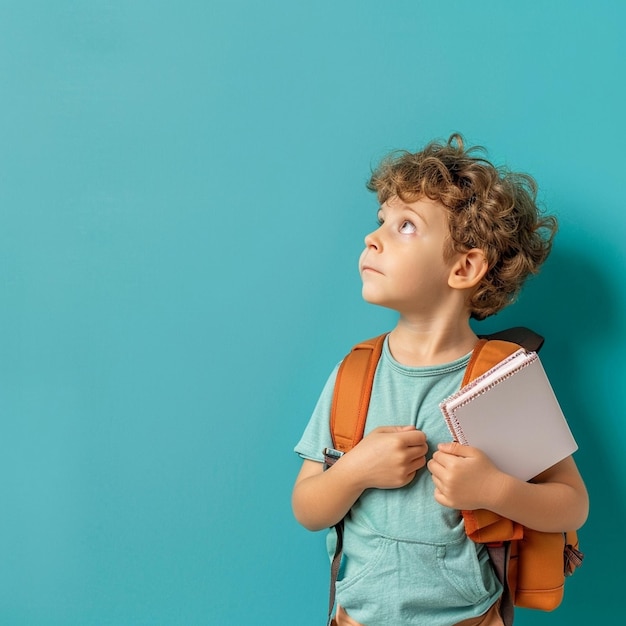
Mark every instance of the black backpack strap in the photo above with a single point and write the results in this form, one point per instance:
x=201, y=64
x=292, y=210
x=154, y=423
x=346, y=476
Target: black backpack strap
x=334, y=571
x=520, y=335
x=500, y=554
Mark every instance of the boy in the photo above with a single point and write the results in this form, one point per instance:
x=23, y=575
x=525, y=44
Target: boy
x=456, y=239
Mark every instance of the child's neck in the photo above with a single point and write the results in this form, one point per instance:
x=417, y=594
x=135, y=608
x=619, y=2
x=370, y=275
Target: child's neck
x=421, y=344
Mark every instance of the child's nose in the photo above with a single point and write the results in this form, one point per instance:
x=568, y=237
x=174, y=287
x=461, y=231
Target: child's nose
x=372, y=240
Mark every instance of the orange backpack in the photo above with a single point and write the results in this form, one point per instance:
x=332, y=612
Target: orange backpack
x=531, y=565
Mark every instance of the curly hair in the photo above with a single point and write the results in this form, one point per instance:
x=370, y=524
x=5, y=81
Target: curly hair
x=488, y=207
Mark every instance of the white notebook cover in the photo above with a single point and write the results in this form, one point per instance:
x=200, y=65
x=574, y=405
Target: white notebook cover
x=512, y=414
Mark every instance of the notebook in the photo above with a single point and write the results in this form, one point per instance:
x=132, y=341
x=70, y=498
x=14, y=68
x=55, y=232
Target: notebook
x=512, y=414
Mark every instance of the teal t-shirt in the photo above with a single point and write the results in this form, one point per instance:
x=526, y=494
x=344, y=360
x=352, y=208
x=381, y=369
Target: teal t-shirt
x=407, y=560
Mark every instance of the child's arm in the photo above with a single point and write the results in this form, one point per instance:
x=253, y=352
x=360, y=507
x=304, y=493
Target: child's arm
x=386, y=458
x=554, y=501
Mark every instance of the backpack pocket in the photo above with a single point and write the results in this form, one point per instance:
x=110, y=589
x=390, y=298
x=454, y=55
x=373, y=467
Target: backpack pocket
x=536, y=570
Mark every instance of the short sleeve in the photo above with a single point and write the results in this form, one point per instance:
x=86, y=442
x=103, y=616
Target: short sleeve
x=317, y=435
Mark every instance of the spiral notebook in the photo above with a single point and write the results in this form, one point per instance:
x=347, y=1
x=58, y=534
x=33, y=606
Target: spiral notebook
x=512, y=414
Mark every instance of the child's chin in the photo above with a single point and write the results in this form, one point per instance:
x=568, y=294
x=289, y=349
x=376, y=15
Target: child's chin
x=377, y=299
x=369, y=296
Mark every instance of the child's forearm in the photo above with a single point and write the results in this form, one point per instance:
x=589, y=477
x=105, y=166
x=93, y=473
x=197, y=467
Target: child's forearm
x=386, y=458
x=466, y=479
x=556, y=501
x=321, y=499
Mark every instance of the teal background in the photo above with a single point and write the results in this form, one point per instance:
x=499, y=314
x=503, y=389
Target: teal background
x=182, y=204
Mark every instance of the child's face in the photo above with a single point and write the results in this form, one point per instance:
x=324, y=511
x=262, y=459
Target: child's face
x=403, y=266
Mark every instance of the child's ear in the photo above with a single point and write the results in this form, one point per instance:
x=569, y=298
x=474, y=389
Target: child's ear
x=468, y=269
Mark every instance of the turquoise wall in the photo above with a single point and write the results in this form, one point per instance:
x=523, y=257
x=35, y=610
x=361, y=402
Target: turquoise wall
x=182, y=204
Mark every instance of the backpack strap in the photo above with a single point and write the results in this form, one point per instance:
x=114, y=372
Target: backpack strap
x=484, y=526
x=348, y=413
x=481, y=525
x=500, y=556
x=353, y=389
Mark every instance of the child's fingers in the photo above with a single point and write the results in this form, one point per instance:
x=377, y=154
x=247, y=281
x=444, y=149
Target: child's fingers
x=457, y=449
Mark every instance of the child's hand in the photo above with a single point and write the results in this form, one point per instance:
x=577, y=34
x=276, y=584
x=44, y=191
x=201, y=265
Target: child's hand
x=464, y=477
x=389, y=456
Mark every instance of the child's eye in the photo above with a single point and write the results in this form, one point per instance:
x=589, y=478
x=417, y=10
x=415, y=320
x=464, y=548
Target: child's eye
x=407, y=227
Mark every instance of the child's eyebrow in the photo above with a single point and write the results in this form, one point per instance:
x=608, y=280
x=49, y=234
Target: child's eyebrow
x=400, y=206
x=406, y=207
